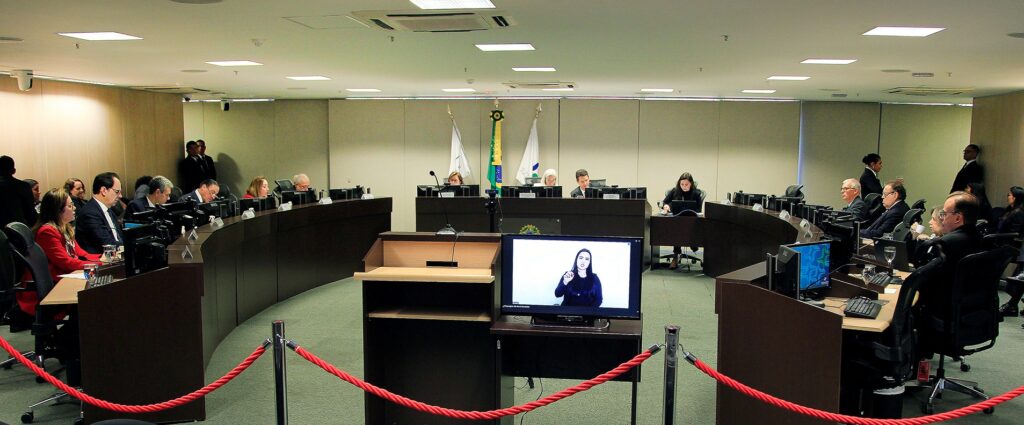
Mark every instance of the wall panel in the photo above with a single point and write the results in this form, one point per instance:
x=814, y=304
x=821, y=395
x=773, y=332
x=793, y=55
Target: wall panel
x=836, y=135
x=677, y=137
x=758, y=146
x=601, y=136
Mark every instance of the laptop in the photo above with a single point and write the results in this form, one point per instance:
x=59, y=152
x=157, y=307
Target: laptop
x=678, y=206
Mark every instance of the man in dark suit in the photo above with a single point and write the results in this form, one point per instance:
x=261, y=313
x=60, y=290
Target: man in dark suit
x=96, y=224
x=971, y=172
x=869, y=182
x=893, y=199
x=209, y=169
x=190, y=168
x=854, y=204
x=16, y=200
x=206, y=192
x=158, y=192
x=583, y=180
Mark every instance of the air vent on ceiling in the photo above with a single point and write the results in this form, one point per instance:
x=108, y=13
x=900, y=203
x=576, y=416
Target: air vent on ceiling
x=418, y=21
x=838, y=94
x=928, y=91
x=539, y=85
x=171, y=89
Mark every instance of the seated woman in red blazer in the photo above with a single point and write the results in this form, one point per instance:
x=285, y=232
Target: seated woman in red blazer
x=56, y=236
x=258, y=189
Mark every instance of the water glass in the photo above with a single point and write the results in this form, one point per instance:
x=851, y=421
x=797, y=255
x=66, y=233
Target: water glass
x=109, y=253
x=869, y=272
x=890, y=254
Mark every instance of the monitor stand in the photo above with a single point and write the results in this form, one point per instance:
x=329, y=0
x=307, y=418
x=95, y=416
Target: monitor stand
x=576, y=323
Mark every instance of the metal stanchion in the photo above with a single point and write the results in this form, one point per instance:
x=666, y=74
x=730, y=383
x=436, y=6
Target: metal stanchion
x=671, y=363
x=280, y=378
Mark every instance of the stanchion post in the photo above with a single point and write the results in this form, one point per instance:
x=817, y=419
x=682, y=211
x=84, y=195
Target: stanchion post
x=280, y=378
x=671, y=363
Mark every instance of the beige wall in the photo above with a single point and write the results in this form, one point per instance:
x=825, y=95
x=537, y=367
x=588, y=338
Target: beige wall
x=997, y=125
x=59, y=130
x=835, y=138
x=273, y=139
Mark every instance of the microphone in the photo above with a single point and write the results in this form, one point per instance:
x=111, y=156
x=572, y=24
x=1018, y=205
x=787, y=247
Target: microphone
x=447, y=229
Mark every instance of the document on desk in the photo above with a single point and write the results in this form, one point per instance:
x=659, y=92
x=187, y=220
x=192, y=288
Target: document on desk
x=73, y=275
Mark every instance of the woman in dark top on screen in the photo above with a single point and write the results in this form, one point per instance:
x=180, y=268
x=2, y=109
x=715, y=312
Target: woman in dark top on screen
x=684, y=190
x=580, y=286
x=869, y=182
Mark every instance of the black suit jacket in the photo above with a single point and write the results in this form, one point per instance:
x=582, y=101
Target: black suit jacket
x=211, y=169
x=858, y=208
x=869, y=183
x=191, y=196
x=137, y=205
x=92, y=230
x=956, y=245
x=970, y=173
x=887, y=221
x=16, y=202
x=576, y=193
x=190, y=173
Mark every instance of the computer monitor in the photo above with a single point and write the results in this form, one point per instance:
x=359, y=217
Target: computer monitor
x=257, y=204
x=465, y=190
x=678, y=206
x=635, y=193
x=284, y=185
x=815, y=266
x=598, y=183
x=346, y=193
x=535, y=269
x=604, y=192
x=749, y=199
x=531, y=191
x=216, y=208
x=427, y=191
x=900, y=261
x=784, y=277
x=145, y=248
x=532, y=181
x=298, y=198
x=845, y=239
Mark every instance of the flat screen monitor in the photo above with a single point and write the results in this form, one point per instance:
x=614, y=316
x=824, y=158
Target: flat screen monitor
x=284, y=185
x=598, y=183
x=346, y=193
x=465, y=190
x=531, y=191
x=297, y=198
x=815, y=266
x=257, y=204
x=844, y=238
x=215, y=208
x=532, y=181
x=426, y=191
x=604, y=192
x=145, y=249
x=749, y=199
x=541, y=276
x=785, y=278
x=678, y=206
x=900, y=260
x=635, y=193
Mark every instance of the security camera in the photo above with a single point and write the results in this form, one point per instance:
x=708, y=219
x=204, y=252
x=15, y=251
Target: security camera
x=187, y=98
x=24, y=77
x=225, y=105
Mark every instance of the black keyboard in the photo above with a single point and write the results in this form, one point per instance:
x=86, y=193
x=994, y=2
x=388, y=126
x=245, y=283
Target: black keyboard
x=99, y=281
x=862, y=307
x=881, y=279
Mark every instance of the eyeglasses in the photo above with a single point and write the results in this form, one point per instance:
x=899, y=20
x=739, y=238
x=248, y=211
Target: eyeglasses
x=885, y=195
x=117, y=191
x=846, y=188
x=944, y=213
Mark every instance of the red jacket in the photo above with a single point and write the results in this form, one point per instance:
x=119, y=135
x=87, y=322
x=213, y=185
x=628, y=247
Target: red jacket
x=54, y=246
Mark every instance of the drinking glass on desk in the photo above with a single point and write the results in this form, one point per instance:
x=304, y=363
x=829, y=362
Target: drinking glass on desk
x=869, y=272
x=109, y=253
x=890, y=254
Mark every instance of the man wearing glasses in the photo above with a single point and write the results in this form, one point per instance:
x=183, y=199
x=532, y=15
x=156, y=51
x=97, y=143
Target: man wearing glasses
x=893, y=196
x=854, y=204
x=960, y=238
x=96, y=224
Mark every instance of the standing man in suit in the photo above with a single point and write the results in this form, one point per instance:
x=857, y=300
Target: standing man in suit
x=893, y=199
x=971, y=172
x=158, y=192
x=16, y=200
x=206, y=192
x=190, y=168
x=854, y=204
x=869, y=182
x=583, y=180
x=209, y=169
x=96, y=224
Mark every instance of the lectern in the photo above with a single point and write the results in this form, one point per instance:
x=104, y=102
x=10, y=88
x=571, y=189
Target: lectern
x=426, y=328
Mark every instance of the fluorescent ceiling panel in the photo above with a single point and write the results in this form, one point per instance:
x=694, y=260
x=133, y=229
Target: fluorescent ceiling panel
x=903, y=31
x=453, y=4
x=100, y=36
x=508, y=47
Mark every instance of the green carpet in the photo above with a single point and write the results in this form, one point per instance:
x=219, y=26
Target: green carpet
x=327, y=321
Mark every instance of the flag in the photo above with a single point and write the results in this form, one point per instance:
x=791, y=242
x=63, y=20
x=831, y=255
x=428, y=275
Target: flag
x=459, y=161
x=494, y=168
x=531, y=156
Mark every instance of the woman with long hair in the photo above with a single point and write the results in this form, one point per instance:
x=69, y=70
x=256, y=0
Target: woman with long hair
x=580, y=286
x=685, y=189
x=258, y=189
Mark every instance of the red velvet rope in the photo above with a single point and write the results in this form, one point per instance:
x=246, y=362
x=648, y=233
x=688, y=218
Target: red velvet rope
x=473, y=415
x=130, y=408
x=857, y=420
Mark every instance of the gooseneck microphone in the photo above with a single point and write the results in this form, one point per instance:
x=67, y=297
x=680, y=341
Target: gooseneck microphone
x=447, y=229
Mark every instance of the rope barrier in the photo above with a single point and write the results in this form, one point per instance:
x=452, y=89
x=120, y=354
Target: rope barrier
x=856, y=420
x=473, y=415
x=135, y=408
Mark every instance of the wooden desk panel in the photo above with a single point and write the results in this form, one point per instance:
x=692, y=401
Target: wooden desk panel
x=65, y=292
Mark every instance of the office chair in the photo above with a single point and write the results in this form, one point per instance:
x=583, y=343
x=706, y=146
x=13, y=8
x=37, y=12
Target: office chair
x=44, y=328
x=8, y=289
x=919, y=205
x=875, y=208
x=795, y=191
x=902, y=230
x=968, y=322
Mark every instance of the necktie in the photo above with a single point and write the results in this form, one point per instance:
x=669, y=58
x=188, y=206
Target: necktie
x=113, y=220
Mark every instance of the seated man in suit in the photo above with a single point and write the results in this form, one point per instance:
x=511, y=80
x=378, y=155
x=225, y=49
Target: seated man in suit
x=583, y=180
x=96, y=224
x=206, y=192
x=158, y=192
x=854, y=204
x=893, y=199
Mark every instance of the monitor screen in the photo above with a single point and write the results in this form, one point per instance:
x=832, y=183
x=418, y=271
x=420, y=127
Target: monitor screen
x=465, y=190
x=531, y=191
x=678, y=206
x=346, y=193
x=584, y=276
x=844, y=239
x=297, y=198
x=145, y=248
x=284, y=184
x=815, y=260
x=257, y=204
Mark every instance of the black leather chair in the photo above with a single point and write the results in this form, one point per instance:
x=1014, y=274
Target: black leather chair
x=45, y=326
x=902, y=230
x=919, y=205
x=8, y=290
x=969, y=321
x=875, y=208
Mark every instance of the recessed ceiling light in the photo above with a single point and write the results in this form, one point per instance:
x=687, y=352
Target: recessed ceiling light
x=657, y=90
x=538, y=69
x=99, y=36
x=10, y=40
x=453, y=4
x=559, y=89
x=234, y=63
x=829, y=61
x=903, y=31
x=458, y=90
x=754, y=91
x=364, y=90
x=788, y=78
x=509, y=47
x=251, y=100
x=309, y=78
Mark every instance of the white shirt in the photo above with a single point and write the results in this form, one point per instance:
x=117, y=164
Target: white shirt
x=968, y=162
x=151, y=204
x=109, y=221
x=199, y=196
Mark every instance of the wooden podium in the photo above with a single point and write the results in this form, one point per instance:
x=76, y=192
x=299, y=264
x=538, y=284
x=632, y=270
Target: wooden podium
x=426, y=330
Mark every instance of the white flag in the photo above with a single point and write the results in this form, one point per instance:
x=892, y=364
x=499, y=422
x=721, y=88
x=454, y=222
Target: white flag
x=459, y=161
x=530, y=165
